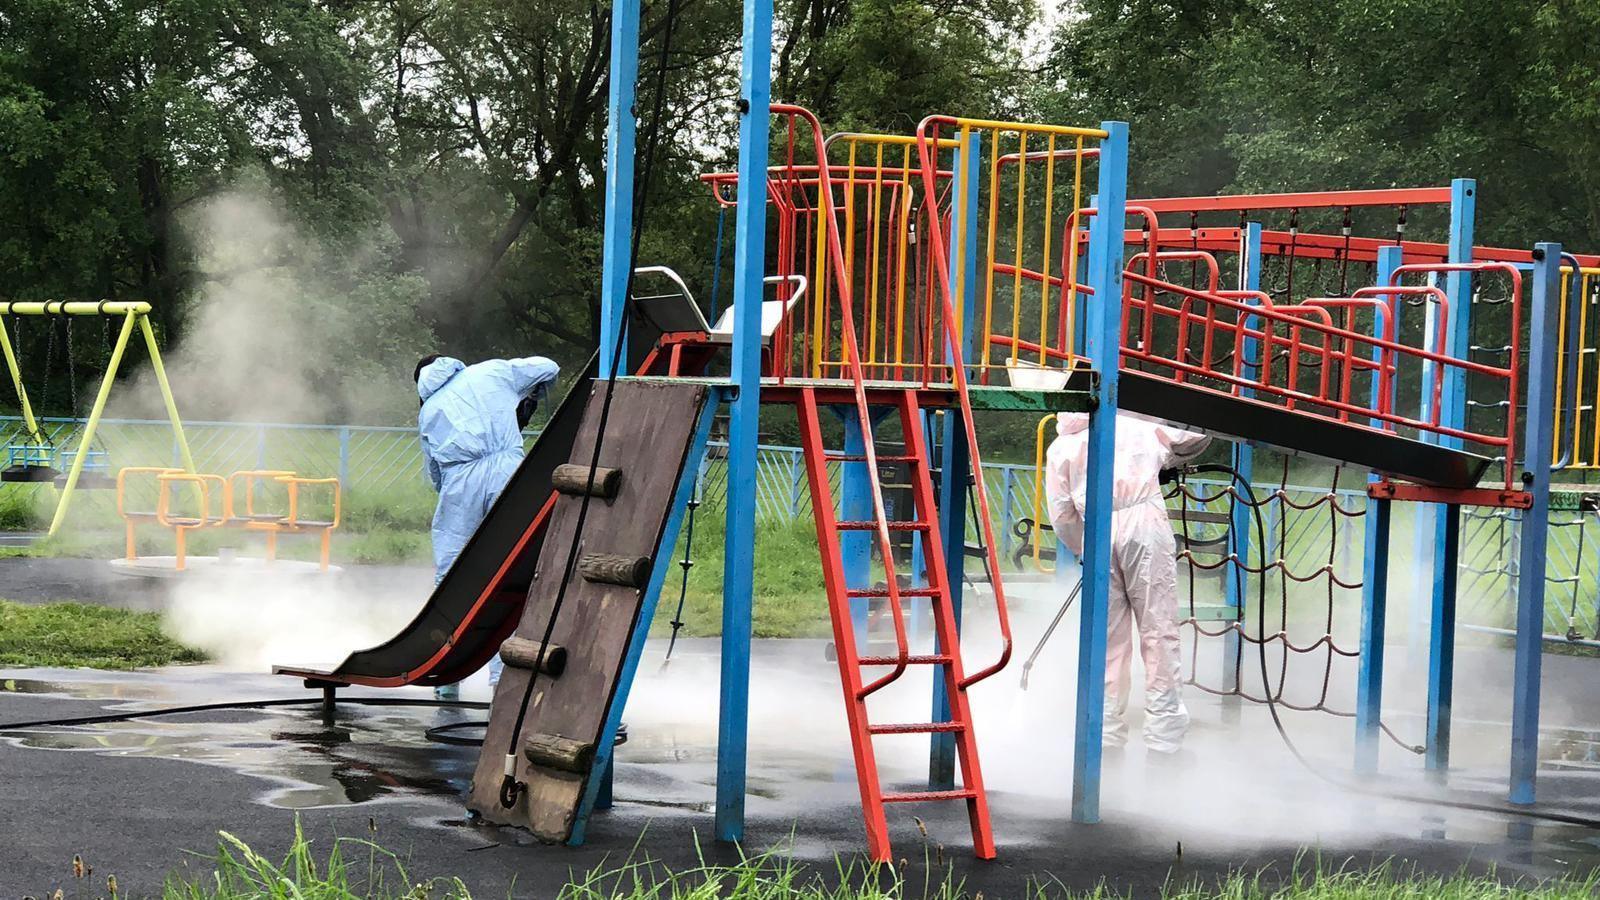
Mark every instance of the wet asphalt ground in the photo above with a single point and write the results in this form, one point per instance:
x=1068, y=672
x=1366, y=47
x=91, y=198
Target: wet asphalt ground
x=145, y=800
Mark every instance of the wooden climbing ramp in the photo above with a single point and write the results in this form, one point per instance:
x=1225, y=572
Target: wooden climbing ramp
x=654, y=435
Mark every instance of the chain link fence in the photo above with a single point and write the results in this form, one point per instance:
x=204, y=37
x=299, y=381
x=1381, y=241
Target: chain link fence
x=380, y=469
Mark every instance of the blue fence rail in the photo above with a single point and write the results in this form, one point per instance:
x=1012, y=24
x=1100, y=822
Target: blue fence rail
x=385, y=464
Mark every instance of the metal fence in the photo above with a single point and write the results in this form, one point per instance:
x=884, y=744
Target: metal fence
x=383, y=465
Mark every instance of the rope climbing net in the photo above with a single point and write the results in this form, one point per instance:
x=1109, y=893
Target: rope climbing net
x=1299, y=521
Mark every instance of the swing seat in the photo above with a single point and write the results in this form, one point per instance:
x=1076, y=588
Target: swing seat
x=29, y=473
x=89, y=481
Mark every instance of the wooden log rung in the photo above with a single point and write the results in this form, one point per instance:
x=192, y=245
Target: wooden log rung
x=553, y=751
x=608, y=568
x=523, y=652
x=573, y=480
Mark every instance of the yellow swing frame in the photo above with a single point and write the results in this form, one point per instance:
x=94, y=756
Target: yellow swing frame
x=134, y=314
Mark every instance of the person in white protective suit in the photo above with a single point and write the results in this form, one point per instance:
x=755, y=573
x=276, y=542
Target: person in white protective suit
x=1144, y=568
x=470, y=423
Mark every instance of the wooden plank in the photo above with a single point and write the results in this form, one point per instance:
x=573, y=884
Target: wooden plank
x=648, y=437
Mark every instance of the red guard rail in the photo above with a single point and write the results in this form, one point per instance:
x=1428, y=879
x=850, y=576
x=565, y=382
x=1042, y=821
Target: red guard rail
x=1209, y=328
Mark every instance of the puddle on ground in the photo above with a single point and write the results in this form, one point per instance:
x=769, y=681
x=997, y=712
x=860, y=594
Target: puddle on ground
x=357, y=757
x=120, y=689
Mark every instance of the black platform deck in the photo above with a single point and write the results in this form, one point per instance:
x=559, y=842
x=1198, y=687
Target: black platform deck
x=475, y=607
x=1258, y=422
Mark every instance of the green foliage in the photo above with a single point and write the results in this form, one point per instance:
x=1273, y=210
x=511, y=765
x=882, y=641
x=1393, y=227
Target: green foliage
x=408, y=507
x=75, y=634
x=1232, y=96
x=20, y=508
x=362, y=868
x=353, y=868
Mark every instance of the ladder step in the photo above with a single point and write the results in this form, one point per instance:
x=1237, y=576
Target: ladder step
x=873, y=526
x=927, y=796
x=917, y=728
x=857, y=457
x=884, y=592
x=936, y=659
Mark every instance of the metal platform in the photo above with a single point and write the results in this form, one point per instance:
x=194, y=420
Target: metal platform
x=1319, y=437
x=1213, y=412
x=1074, y=398
x=219, y=567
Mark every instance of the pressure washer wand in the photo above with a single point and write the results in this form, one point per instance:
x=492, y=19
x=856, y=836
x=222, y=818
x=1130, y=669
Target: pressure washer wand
x=1045, y=638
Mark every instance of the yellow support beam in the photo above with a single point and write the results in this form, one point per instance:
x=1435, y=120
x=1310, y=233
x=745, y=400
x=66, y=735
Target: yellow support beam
x=73, y=307
x=34, y=433
x=134, y=315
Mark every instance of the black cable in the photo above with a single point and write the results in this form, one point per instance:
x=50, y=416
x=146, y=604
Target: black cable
x=445, y=734
x=686, y=564
x=106, y=718
x=1283, y=733
x=510, y=787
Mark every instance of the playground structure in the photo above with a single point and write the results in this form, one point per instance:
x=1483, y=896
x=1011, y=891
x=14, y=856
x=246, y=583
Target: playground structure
x=233, y=502
x=36, y=459
x=962, y=270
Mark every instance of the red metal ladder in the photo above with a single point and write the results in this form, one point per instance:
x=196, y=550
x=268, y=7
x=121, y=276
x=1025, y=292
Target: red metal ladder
x=852, y=666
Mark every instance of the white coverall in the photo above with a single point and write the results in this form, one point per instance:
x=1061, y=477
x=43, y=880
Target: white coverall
x=1144, y=568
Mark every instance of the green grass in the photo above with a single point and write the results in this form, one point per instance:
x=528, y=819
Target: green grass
x=25, y=507
x=352, y=867
x=789, y=598
x=75, y=634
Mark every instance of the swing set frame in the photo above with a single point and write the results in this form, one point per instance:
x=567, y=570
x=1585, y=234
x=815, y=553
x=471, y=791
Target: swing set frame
x=135, y=314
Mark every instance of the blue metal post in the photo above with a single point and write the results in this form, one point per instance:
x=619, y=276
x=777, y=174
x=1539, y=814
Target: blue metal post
x=955, y=463
x=749, y=266
x=598, y=787
x=1244, y=462
x=616, y=251
x=1536, y=449
x=344, y=459
x=855, y=505
x=1447, y=519
x=1374, y=580
x=1102, y=344
x=1374, y=609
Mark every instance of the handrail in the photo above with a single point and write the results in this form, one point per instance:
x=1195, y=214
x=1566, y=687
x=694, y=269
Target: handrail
x=863, y=413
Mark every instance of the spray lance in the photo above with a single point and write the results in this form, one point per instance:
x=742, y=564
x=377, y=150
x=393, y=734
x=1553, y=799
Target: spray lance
x=1167, y=476
x=1048, y=632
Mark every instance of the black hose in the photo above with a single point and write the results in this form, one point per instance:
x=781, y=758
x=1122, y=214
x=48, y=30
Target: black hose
x=446, y=734
x=1283, y=733
x=510, y=787
x=105, y=718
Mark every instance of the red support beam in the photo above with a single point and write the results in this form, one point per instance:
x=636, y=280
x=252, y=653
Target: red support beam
x=1301, y=200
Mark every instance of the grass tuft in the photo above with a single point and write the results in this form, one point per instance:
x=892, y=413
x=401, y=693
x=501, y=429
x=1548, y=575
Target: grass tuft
x=361, y=868
x=69, y=635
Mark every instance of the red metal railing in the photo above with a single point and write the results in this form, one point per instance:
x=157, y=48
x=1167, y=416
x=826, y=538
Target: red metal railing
x=1298, y=337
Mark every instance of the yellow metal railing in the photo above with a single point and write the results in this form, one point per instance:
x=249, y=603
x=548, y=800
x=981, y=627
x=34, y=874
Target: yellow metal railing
x=1041, y=513
x=1582, y=451
x=1030, y=212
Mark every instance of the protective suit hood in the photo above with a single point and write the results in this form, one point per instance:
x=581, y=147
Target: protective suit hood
x=436, y=375
x=1072, y=423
